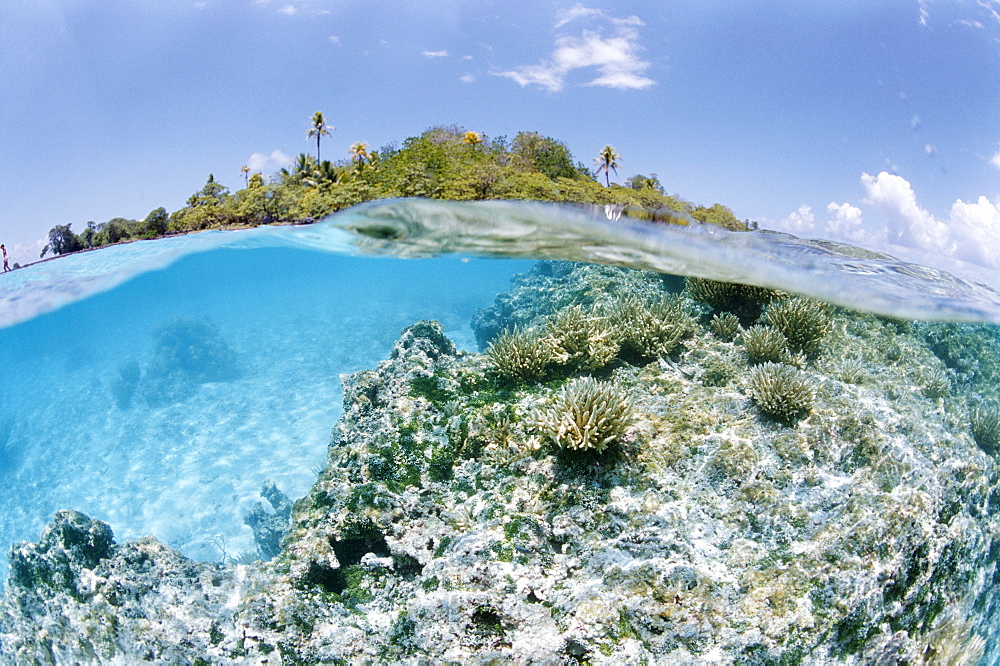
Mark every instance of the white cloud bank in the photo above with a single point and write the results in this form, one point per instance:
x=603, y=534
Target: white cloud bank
x=267, y=163
x=970, y=234
x=612, y=50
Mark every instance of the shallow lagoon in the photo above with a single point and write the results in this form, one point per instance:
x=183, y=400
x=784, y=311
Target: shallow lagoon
x=184, y=461
x=189, y=470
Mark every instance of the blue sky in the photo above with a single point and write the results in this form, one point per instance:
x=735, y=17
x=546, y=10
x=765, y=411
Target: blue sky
x=874, y=122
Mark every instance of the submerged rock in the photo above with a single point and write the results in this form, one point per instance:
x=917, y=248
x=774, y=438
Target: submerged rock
x=448, y=526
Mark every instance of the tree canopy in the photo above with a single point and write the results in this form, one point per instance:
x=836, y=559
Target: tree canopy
x=444, y=162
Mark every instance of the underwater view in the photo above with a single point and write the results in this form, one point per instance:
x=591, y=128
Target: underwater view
x=500, y=332
x=239, y=446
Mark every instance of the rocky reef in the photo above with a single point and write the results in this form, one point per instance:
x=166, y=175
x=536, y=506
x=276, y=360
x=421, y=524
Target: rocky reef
x=633, y=498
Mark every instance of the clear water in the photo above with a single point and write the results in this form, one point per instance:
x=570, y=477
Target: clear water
x=187, y=472
x=297, y=307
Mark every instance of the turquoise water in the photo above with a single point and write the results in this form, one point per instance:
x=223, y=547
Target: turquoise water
x=101, y=411
x=187, y=466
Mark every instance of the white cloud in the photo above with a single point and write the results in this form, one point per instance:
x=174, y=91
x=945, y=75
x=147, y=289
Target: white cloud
x=288, y=10
x=575, y=12
x=971, y=233
x=614, y=55
x=930, y=149
x=995, y=160
x=976, y=226
x=907, y=221
x=801, y=221
x=434, y=54
x=846, y=221
x=467, y=78
x=335, y=39
x=264, y=163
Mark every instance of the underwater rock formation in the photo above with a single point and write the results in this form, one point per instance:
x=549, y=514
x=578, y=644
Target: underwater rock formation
x=448, y=526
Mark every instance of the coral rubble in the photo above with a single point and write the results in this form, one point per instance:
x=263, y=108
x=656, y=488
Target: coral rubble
x=468, y=514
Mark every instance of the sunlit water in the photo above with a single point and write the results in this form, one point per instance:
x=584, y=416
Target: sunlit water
x=298, y=307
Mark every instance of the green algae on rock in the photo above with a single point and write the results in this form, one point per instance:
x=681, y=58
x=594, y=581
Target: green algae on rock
x=443, y=529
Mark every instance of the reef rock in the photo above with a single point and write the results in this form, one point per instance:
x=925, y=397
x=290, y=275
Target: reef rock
x=448, y=526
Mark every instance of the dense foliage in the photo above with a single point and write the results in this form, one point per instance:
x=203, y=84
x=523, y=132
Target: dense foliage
x=442, y=163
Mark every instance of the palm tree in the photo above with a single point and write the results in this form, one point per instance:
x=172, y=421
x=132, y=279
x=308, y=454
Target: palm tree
x=319, y=129
x=245, y=170
x=360, y=156
x=472, y=138
x=607, y=161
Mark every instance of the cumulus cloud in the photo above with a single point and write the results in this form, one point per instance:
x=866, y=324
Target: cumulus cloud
x=908, y=223
x=971, y=233
x=802, y=221
x=612, y=49
x=266, y=163
x=893, y=221
x=845, y=221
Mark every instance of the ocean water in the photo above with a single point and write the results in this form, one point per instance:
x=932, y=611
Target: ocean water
x=103, y=409
x=187, y=465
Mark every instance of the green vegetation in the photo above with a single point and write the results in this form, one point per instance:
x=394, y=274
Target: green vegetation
x=447, y=162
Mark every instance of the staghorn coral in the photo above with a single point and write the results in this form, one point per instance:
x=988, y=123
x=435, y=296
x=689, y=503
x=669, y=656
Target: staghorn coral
x=586, y=414
x=765, y=343
x=520, y=355
x=650, y=330
x=781, y=391
x=581, y=340
x=984, y=422
x=743, y=300
x=725, y=325
x=802, y=321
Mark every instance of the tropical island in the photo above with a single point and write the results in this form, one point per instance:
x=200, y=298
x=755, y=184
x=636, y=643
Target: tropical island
x=445, y=162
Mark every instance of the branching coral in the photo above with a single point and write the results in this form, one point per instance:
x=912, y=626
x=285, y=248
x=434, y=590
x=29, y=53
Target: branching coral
x=581, y=340
x=781, y=391
x=765, y=343
x=802, y=321
x=586, y=414
x=650, y=330
x=743, y=300
x=520, y=355
x=984, y=421
x=725, y=325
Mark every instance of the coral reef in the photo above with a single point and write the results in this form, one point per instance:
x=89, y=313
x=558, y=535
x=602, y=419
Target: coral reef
x=270, y=526
x=521, y=355
x=725, y=325
x=581, y=341
x=765, y=343
x=587, y=414
x=187, y=352
x=647, y=330
x=744, y=301
x=781, y=391
x=803, y=322
x=454, y=521
x=984, y=421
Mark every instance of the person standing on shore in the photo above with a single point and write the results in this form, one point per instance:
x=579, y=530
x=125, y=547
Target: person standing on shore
x=6, y=266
